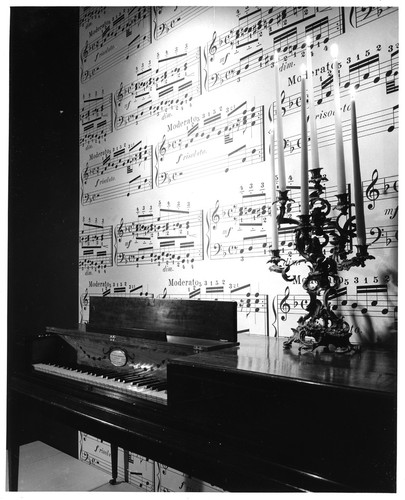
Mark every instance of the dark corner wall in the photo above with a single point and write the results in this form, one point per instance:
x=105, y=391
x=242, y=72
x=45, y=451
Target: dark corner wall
x=43, y=172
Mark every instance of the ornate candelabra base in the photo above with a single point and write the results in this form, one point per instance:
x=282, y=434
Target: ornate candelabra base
x=310, y=335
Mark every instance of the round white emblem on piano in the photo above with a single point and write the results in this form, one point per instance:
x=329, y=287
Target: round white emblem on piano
x=118, y=357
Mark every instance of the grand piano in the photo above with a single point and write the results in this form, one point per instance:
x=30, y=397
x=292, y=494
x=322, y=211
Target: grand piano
x=171, y=380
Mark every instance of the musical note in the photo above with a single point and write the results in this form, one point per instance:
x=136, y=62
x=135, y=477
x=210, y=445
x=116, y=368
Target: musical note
x=286, y=42
x=392, y=127
x=366, y=68
x=319, y=30
x=391, y=84
x=375, y=295
x=326, y=84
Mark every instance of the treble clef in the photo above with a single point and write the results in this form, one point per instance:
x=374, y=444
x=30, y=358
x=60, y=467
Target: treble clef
x=284, y=305
x=162, y=148
x=120, y=94
x=215, y=217
x=85, y=299
x=85, y=52
x=120, y=231
x=85, y=174
x=213, y=48
x=371, y=192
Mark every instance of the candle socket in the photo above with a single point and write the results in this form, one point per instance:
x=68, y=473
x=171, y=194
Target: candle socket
x=305, y=220
x=277, y=263
x=283, y=196
x=282, y=200
x=342, y=203
x=275, y=254
x=316, y=180
x=362, y=254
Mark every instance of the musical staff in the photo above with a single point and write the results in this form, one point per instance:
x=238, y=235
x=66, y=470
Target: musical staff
x=252, y=306
x=95, y=247
x=378, y=189
x=221, y=142
x=226, y=63
x=168, y=19
x=360, y=16
x=140, y=472
x=384, y=237
x=90, y=14
x=372, y=300
x=132, y=468
x=127, y=33
x=172, y=480
x=174, y=82
x=365, y=74
x=96, y=452
x=172, y=239
x=376, y=122
x=123, y=172
x=242, y=230
x=95, y=119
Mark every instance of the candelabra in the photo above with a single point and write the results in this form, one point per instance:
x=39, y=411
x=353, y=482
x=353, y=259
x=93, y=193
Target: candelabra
x=313, y=233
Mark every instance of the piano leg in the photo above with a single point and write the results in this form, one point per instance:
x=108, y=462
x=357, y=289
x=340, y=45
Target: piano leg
x=13, y=454
x=114, y=463
x=14, y=439
x=126, y=465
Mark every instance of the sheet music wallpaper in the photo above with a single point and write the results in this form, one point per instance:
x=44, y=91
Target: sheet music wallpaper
x=176, y=106
x=139, y=471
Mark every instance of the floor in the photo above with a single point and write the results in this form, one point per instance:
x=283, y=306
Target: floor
x=43, y=468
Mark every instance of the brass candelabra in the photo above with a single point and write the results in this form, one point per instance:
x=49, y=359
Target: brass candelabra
x=313, y=233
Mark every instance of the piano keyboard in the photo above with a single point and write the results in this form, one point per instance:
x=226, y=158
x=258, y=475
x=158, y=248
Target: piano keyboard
x=139, y=382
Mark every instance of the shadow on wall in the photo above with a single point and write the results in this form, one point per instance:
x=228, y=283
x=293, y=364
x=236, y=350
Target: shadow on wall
x=370, y=331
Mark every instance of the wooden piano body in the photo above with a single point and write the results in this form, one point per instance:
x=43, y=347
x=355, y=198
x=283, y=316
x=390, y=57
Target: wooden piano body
x=241, y=413
x=133, y=340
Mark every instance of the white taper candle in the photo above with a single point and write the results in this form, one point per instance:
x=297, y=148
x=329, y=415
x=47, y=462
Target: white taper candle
x=280, y=135
x=340, y=157
x=311, y=103
x=273, y=195
x=357, y=182
x=304, y=146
